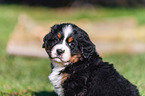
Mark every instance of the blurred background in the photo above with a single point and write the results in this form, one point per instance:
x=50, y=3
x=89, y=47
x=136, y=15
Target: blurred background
x=116, y=27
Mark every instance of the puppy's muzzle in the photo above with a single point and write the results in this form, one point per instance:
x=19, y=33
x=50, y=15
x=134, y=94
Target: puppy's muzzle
x=60, y=51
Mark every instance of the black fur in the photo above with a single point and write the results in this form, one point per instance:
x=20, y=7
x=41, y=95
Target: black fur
x=93, y=77
x=90, y=76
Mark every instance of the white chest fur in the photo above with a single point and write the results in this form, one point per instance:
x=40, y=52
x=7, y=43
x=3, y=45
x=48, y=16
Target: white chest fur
x=56, y=78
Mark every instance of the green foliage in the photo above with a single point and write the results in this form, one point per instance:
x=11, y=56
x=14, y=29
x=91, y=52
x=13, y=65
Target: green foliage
x=28, y=76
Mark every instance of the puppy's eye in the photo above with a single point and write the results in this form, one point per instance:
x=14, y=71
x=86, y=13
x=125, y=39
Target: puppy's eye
x=71, y=44
x=55, y=40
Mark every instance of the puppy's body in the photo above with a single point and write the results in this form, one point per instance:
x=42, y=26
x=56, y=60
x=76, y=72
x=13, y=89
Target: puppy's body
x=97, y=78
x=77, y=69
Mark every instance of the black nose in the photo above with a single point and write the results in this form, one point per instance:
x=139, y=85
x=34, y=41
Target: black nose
x=59, y=51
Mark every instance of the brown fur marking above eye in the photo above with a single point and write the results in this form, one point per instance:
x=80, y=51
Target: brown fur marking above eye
x=70, y=39
x=59, y=35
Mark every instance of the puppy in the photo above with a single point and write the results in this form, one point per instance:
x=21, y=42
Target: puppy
x=77, y=69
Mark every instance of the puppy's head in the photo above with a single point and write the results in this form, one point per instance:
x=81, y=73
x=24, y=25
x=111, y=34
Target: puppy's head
x=67, y=43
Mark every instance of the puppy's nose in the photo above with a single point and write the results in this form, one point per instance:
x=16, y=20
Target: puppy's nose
x=60, y=51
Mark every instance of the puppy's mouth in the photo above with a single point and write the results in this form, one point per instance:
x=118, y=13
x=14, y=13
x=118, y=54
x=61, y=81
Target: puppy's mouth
x=74, y=58
x=59, y=59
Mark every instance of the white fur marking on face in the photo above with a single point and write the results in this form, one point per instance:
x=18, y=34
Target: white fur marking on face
x=67, y=30
x=56, y=78
x=65, y=56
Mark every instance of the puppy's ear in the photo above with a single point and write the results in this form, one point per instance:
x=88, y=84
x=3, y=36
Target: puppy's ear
x=86, y=46
x=45, y=41
x=46, y=38
x=43, y=45
x=54, y=27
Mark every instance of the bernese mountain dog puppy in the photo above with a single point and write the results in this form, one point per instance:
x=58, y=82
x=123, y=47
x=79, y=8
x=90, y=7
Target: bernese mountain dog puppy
x=77, y=69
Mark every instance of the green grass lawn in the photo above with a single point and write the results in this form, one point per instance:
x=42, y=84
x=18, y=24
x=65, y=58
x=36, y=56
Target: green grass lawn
x=27, y=76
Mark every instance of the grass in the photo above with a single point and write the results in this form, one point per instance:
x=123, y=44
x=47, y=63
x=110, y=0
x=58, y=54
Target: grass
x=27, y=76
x=131, y=67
